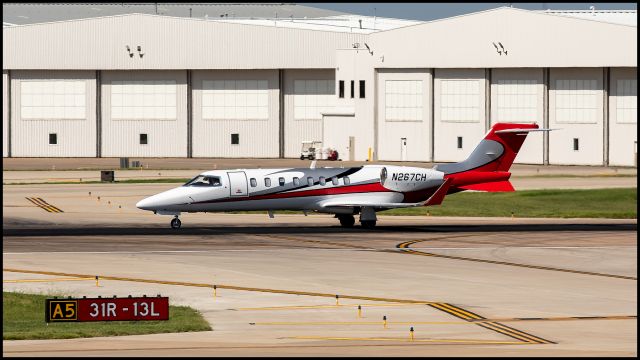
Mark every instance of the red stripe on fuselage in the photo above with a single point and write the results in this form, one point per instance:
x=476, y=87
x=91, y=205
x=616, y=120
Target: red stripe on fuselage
x=352, y=189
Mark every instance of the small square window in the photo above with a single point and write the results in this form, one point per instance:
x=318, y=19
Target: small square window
x=235, y=139
x=281, y=181
x=459, y=142
x=253, y=182
x=296, y=181
x=334, y=180
x=346, y=180
x=341, y=89
x=53, y=139
x=352, y=88
x=310, y=181
x=362, y=89
x=267, y=182
x=322, y=180
x=576, y=144
x=143, y=139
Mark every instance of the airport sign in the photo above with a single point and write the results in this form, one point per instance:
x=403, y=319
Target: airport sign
x=107, y=309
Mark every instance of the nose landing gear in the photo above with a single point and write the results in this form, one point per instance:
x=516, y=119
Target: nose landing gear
x=175, y=223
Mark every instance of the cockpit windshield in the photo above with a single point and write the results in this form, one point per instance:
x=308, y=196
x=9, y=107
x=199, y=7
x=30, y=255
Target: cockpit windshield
x=204, y=180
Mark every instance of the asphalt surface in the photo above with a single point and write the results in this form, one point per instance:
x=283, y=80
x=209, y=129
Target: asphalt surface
x=468, y=286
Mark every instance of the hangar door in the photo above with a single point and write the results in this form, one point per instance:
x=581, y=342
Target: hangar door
x=517, y=97
x=307, y=94
x=623, y=117
x=576, y=107
x=404, y=118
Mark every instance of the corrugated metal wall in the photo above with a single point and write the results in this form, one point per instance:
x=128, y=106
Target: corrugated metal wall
x=257, y=138
x=623, y=125
x=517, y=95
x=447, y=131
x=168, y=43
x=30, y=137
x=298, y=130
x=166, y=138
x=579, y=116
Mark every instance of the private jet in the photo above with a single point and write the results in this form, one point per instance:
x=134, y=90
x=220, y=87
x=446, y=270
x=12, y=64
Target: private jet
x=345, y=192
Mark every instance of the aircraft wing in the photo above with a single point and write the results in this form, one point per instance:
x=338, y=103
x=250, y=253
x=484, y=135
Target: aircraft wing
x=338, y=203
x=435, y=199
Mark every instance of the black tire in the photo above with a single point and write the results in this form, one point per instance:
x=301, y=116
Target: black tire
x=301, y=157
x=175, y=223
x=347, y=220
x=368, y=224
x=311, y=157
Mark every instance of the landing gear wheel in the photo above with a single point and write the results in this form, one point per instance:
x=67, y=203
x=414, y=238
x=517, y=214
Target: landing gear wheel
x=175, y=223
x=347, y=220
x=368, y=224
x=311, y=157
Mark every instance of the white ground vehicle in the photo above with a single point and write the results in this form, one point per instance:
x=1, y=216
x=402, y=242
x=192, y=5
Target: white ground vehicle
x=309, y=149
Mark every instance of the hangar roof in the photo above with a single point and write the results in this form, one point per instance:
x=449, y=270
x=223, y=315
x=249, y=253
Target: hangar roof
x=31, y=13
x=622, y=17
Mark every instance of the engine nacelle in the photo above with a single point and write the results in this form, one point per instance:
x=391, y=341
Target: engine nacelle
x=405, y=178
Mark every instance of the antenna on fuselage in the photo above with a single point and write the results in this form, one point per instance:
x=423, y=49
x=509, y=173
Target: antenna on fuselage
x=313, y=164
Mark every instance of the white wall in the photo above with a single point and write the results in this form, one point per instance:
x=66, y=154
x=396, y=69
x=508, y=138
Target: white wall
x=258, y=137
x=121, y=136
x=336, y=131
x=5, y=113
x=517, y=96
x=30, y=134
x=577, y=115
x=447, y=131
x=296, y=128
x=415, y=127
x=623, y=123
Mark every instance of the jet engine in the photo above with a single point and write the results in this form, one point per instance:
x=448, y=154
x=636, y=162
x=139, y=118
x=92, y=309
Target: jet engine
x=406, y=179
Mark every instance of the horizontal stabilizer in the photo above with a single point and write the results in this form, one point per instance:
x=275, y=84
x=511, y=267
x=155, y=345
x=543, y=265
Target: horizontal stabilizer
x=496, y=186
x=521, y=130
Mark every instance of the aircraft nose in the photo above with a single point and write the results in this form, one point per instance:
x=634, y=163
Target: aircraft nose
x=146, y=204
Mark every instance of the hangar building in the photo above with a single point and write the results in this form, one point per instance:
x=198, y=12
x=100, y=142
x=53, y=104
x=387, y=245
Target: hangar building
x=187, y=80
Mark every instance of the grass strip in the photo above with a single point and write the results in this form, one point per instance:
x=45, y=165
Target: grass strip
x=620, y=203
x=23, y=319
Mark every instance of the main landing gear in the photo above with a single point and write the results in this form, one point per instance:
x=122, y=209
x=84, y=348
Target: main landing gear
x=346, y=220
x=367, y=218
x=175, y=223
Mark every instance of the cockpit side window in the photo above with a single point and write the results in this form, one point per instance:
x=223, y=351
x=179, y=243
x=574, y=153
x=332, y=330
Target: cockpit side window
x=204, y=180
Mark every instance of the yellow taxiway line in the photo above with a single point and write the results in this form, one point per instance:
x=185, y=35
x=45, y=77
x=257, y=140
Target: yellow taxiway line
x=464, y=341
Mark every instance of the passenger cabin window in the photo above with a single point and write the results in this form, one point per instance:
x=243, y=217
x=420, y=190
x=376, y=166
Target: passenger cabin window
x=362, y=88
x=321, y=180
x=334, y=180
x=310, y=181
x=203, y=180
x=296, y=181
x=253, y=182
x=346, y=180
x=281, y=181
x=267, y=182
x=341, y=89
x=53, y=139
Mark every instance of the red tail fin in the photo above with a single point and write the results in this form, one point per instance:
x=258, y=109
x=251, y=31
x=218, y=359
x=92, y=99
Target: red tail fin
x=495, y=152
x=511, y=137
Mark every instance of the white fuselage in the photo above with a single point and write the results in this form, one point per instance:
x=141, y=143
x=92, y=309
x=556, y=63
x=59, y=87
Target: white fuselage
x=293, y=189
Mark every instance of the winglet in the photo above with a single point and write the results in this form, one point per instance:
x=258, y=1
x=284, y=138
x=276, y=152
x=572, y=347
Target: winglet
x=438, y=196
